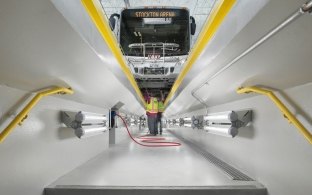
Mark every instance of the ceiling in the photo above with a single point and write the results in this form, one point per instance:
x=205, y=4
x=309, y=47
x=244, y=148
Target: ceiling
x=40, y=48
x=281, y=62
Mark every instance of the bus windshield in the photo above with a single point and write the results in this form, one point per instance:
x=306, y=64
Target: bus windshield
x=154, y=33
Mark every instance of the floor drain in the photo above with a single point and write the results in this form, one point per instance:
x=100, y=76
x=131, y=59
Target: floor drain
x=229, y=170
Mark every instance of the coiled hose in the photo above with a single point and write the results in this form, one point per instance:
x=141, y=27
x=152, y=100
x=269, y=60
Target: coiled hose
x=153, y=141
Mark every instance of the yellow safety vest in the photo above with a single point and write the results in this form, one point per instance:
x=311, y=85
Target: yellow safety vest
x=161, y=107
x=152, y=106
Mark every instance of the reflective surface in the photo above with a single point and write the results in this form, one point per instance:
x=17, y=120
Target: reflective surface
x=129, y=164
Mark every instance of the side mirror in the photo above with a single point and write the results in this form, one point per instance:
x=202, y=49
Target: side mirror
x=112, y=20
x=193, y=25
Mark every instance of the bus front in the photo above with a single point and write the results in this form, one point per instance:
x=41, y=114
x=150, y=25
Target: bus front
x=155, y=42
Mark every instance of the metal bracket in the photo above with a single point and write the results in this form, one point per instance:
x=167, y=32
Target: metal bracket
x=181, y=122
x=198, y=122
x=68, y=118
x=244, y=117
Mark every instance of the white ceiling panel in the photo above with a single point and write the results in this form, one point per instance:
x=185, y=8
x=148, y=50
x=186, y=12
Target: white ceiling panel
x=282, y=62
x=39, y=48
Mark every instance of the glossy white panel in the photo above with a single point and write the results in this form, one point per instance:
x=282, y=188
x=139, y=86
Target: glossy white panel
x=39, y=48
x=282, y=62
x=42, y=149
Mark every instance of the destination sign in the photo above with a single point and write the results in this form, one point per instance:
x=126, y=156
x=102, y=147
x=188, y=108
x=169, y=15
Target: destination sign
x=154, y=14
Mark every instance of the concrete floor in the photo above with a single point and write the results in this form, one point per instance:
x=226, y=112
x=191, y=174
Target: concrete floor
x=129, y=165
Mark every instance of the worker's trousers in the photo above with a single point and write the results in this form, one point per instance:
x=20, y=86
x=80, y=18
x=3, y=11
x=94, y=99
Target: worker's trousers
x=152, y=124
x=159, y=116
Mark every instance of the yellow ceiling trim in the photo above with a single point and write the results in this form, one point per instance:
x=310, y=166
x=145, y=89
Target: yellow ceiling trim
x=219, y=12
x=96, y=13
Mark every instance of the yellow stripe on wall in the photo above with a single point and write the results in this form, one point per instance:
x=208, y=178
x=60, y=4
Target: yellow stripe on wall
x=96, y=13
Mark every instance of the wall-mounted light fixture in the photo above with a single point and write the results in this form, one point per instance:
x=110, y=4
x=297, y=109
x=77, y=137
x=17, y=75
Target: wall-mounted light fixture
x=90, y=118
x=186, y=122
x=134, y=121
x=181, y=122
x=222, y=123
x=226, y=123
x=88, y=131
x=177, y=122
x=197, y=122
x=85, y=124
x=168, y=122
x=174, y=122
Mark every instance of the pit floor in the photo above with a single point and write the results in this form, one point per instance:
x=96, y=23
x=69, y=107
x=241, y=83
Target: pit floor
x=129, y=164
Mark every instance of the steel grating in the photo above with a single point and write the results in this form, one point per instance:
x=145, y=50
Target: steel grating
x=233, y=173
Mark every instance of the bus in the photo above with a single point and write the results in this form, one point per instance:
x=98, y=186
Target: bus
x=156, y=42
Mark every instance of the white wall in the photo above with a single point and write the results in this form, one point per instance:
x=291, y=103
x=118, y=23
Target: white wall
x=271, y=150
x=41, y=150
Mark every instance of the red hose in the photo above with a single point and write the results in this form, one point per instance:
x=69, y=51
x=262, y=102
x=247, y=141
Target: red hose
x=154, y=141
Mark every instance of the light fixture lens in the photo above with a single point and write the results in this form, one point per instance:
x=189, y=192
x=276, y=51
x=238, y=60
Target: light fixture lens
x=224, y=131
x=85, y=117
x=89, y=131
x=222, y=117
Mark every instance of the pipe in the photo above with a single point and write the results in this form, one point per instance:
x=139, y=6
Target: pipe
x=23, y=114
x=291, y=118
x=199, y=99
x=302, y=10
x=307, y=7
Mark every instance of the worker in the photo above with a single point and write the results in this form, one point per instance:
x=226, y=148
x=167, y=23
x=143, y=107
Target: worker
x=151, y=112
x=161, y=109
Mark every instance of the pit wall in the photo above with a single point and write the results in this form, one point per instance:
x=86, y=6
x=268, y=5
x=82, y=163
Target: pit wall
x=270, y=150
x=43, y=149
